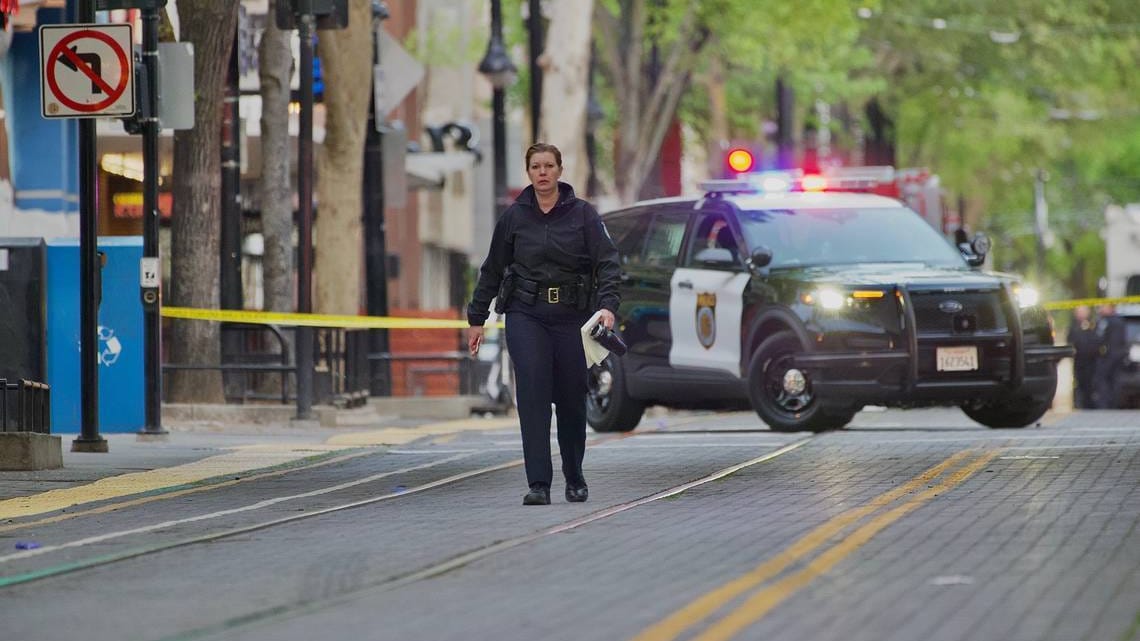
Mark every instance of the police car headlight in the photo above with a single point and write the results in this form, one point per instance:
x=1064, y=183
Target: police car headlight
x=830, y=299
x=1026, y=296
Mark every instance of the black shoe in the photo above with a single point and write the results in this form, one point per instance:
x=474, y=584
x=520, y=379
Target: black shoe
x=577, y=493
x=537, y=495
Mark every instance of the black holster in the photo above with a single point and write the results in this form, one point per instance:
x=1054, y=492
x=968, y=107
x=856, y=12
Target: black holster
x=584, y=293
x=506, y=290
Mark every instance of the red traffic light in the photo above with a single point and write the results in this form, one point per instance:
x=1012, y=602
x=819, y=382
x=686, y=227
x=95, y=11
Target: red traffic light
x=740, y=160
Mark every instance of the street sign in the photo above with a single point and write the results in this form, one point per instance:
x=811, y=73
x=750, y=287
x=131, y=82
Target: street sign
x=148, y=271
x=87, y=71
x=398, y=75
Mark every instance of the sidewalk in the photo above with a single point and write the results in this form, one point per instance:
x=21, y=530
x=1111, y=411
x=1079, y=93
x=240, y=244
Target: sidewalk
x=199, y=451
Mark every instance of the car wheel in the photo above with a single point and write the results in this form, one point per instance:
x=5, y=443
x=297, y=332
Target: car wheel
x=609, y=407
x=782, y=395
x=1011, y=412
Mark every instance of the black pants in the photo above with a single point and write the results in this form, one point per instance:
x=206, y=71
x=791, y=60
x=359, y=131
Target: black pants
x=545, y=343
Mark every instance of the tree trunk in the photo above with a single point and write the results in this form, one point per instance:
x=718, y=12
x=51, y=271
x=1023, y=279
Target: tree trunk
x=275, y=67
x=275, y=60
x=347, y=65
x=565, y=73
x=195, y=221
x=718, y=142
x=648, y=105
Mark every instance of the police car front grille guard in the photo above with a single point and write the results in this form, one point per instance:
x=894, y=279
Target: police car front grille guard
x=909, y=323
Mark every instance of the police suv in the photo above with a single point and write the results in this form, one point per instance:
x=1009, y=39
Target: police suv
x=806, y=303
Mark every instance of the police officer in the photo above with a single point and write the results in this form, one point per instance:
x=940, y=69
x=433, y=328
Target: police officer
x=1113, y=350
x=1082, y=336
x=550, y=259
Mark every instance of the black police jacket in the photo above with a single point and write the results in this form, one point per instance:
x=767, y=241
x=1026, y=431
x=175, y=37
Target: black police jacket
x=553, y=248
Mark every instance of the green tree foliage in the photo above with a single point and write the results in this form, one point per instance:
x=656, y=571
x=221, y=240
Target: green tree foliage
x=989, y=93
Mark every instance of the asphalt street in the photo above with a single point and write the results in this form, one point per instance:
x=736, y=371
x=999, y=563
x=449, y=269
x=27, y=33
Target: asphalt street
x=908, y=525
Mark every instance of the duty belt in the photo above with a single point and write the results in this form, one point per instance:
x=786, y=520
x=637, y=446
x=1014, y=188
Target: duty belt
x=567, y=294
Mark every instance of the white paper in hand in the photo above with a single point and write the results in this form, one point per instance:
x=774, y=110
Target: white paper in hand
x=595, y=353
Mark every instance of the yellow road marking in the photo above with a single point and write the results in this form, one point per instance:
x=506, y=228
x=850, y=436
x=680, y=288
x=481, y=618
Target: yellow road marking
x=675, y=624
x=169, y=495
x=759, y=604
x=239, y=461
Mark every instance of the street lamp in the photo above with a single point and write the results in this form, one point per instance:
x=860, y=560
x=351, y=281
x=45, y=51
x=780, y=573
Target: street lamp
x=501, y=73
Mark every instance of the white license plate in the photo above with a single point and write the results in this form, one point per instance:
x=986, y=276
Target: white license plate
x=957, y=359
x=1134, y=353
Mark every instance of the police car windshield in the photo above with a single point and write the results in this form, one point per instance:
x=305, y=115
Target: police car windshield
x=803, y=237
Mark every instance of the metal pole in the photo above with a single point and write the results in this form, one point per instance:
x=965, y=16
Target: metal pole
x=534, y=28
x=499, y=110
x=1040, y=222
x=89, y=439
x=304, y=343
x=785, y=111
x=230, y=233
x=152, y=321
x=231, y=294
x=375, y=242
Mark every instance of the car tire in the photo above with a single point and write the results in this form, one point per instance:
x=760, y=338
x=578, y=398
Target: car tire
x=609, y=407
x=1011, y=412
x=784, y=412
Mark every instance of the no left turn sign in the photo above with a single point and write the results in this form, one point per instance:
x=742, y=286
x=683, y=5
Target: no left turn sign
x=87, y=70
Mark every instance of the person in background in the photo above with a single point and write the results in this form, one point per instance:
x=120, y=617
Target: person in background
x=550, y=259
x=1113, y=347
x=1082, y=336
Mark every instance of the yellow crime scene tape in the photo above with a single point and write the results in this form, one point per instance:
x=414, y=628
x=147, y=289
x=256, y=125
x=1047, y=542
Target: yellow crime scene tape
x=315, y=320
x=396, y=322
x=1090, y=302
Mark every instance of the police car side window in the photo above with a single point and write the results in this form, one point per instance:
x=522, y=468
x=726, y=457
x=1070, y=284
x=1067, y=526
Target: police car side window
x=665, y=235
x=713, y=232
x=627, y=230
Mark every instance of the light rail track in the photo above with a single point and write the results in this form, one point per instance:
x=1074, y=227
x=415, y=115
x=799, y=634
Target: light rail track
x=461, y=558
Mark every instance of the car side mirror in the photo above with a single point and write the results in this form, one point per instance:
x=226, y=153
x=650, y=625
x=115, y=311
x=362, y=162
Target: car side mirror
x=761, y=257
x=975, y=252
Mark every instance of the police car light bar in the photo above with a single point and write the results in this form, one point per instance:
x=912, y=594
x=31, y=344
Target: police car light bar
x=727, y=186
x=832, y=179
x=759, y=182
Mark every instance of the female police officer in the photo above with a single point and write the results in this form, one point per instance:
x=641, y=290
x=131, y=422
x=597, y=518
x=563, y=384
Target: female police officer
x=550, y=258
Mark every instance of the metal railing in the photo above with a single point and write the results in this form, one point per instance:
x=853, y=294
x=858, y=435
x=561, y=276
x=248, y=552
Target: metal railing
x=252, y=361
x=342, y=377
x=30, y=411
x=459, y=363
x=342, y=366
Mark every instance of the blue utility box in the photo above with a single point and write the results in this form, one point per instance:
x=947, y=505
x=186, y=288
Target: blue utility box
x=121, y=348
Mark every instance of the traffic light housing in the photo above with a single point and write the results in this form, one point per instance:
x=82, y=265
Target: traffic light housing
x=737, y=159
